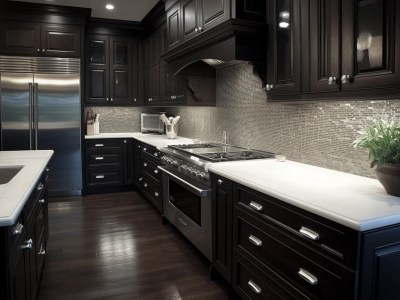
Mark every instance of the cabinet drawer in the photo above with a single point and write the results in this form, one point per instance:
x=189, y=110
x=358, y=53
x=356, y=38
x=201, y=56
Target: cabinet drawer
x=152, y=192
x=101, y=159
x=252, y=283
x=150, y=168
x=152, y=152
x=335, y=240
x=300, y=265
x=104, y=146
x=105, y=178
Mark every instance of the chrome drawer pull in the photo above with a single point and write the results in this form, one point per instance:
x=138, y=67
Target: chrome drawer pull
x=256, y=289
x=309, y=233
x=99, y=176
x=28, y=244
x=182, y=222
x=42, y=251
x=99, y=145
x=40, y=187
x=144, y=165
x=99, y=158
x=42, y=201
x=220, y=182
x=155, y=171
x=255, y=241
x=310, y=278
x=256, y=206
x=156, y=194
x=18, y=229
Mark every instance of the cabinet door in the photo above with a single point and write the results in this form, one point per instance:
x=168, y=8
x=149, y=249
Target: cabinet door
x=120, y=71
x=97, y=70
x=137, y=72
x=222, y=228
x=174, y=25
x=61, y=40
x=370, y=44
x=213, y=12
x=128, y=161
x=20, y=38
x=284, y=48
x=323, y=26
x=190, y=18
x=18, y=276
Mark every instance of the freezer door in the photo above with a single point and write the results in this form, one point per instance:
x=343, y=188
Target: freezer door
x=58, y=121
x=16, y=111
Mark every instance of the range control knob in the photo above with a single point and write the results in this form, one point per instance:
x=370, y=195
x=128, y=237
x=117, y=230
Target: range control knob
x=182, y=168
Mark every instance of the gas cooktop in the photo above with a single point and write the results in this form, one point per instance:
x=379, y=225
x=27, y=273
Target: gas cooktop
x=215, y=152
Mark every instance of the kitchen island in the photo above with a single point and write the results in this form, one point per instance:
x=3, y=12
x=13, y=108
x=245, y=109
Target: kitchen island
x=23, y=221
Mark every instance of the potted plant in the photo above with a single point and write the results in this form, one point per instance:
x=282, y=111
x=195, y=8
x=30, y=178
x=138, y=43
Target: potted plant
x=383, y=142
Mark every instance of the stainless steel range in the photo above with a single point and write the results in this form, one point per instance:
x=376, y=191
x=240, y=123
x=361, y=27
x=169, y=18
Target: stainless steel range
x=187, y=186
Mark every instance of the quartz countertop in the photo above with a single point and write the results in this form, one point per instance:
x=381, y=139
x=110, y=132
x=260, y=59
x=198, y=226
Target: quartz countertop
x=156, y=140
x=15, y=193
x=357, y=202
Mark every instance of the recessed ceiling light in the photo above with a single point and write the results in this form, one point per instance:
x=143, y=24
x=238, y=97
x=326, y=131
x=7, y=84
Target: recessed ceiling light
x=110, y=6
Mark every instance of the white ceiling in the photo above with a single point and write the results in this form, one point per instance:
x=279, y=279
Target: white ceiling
x=129, y=10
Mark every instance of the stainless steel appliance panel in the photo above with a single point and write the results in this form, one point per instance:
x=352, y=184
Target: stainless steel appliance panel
x=57, y=115
x=16, y=111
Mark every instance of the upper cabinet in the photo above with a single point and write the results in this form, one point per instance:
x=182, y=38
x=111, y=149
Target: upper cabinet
x=112, y=70
x=333, y=49
x=187, y=19
x=30, y=38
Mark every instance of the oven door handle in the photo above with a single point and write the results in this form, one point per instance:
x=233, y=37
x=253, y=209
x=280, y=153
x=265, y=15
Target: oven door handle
x=189, y=186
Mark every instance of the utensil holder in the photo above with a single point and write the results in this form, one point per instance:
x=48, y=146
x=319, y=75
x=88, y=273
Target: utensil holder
x=171, y=131
x=93, y=128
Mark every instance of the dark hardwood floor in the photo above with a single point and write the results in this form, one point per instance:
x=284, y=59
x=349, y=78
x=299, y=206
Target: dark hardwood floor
x=113, y=246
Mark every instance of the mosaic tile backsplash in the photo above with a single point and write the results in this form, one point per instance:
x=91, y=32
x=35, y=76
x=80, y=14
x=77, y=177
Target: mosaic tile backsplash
x=319, y=134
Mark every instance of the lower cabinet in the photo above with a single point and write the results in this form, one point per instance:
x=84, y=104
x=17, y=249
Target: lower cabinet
x=23, y=247
x=268, y=249
x=150, y=176
x=109, y=162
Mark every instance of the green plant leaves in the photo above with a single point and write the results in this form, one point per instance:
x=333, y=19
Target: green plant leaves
x=383, y=142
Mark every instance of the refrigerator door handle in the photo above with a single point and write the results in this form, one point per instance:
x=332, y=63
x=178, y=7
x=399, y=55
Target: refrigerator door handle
x=35, y=110
x=30, y=114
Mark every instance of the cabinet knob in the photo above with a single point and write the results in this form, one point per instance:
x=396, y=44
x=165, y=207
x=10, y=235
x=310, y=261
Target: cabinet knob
x=40, y=187
x=345, y=78
x=220, y=182
x=134, y=100
x=107, y=99
x=144, y=149
x=156, y=154
x=18, y=229
x=269, y=87
x=43, y=50
x=38, y=50
x=145, y=185
x=332, y=80
x=155, y=171
x=144, y=164
x=27, y=244
x=140, y=179
x=42, y=251
x=196, y=29
x=42, y=201
x=138, y=147
x=200, y=29
x=125, y=141
x=112, y=99
x=156, y=194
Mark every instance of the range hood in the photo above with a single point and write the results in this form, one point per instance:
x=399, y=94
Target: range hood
x=228, y=43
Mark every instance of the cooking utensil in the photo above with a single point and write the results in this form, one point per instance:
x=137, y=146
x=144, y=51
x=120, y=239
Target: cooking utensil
x=164, y=118
x=175, y=120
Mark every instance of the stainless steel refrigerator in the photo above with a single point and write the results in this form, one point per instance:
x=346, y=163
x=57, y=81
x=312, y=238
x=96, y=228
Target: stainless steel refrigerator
x=41, y=109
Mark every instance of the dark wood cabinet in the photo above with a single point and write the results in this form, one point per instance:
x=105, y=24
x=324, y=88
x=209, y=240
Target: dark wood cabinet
x=23, y=246
x=340, y=49
x=111, y=78
x=109, y=163
x=40, y=39
x=174, y=23
x=137, y=72
x=222, y=203
x=191, y=18
x=284, y=48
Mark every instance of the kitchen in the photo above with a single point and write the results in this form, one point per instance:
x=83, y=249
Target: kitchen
x=318, y=133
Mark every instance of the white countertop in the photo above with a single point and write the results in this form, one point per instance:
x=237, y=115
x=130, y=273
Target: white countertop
x=156, y=140
x=15, y=193
x=357, y=202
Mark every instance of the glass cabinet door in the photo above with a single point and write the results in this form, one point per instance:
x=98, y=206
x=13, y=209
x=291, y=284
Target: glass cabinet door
x=370, y=44
x=284, y=49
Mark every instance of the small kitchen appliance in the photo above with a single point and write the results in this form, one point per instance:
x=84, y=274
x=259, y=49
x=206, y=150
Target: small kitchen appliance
x=151, y=123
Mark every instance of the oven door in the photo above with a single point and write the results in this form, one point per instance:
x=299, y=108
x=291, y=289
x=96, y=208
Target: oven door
x=188, y=207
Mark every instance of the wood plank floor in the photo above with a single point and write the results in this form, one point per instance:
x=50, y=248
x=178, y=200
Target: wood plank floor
x=113, y=246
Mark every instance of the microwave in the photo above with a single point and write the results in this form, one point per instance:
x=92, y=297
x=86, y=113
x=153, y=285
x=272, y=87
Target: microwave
x=151, y=123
